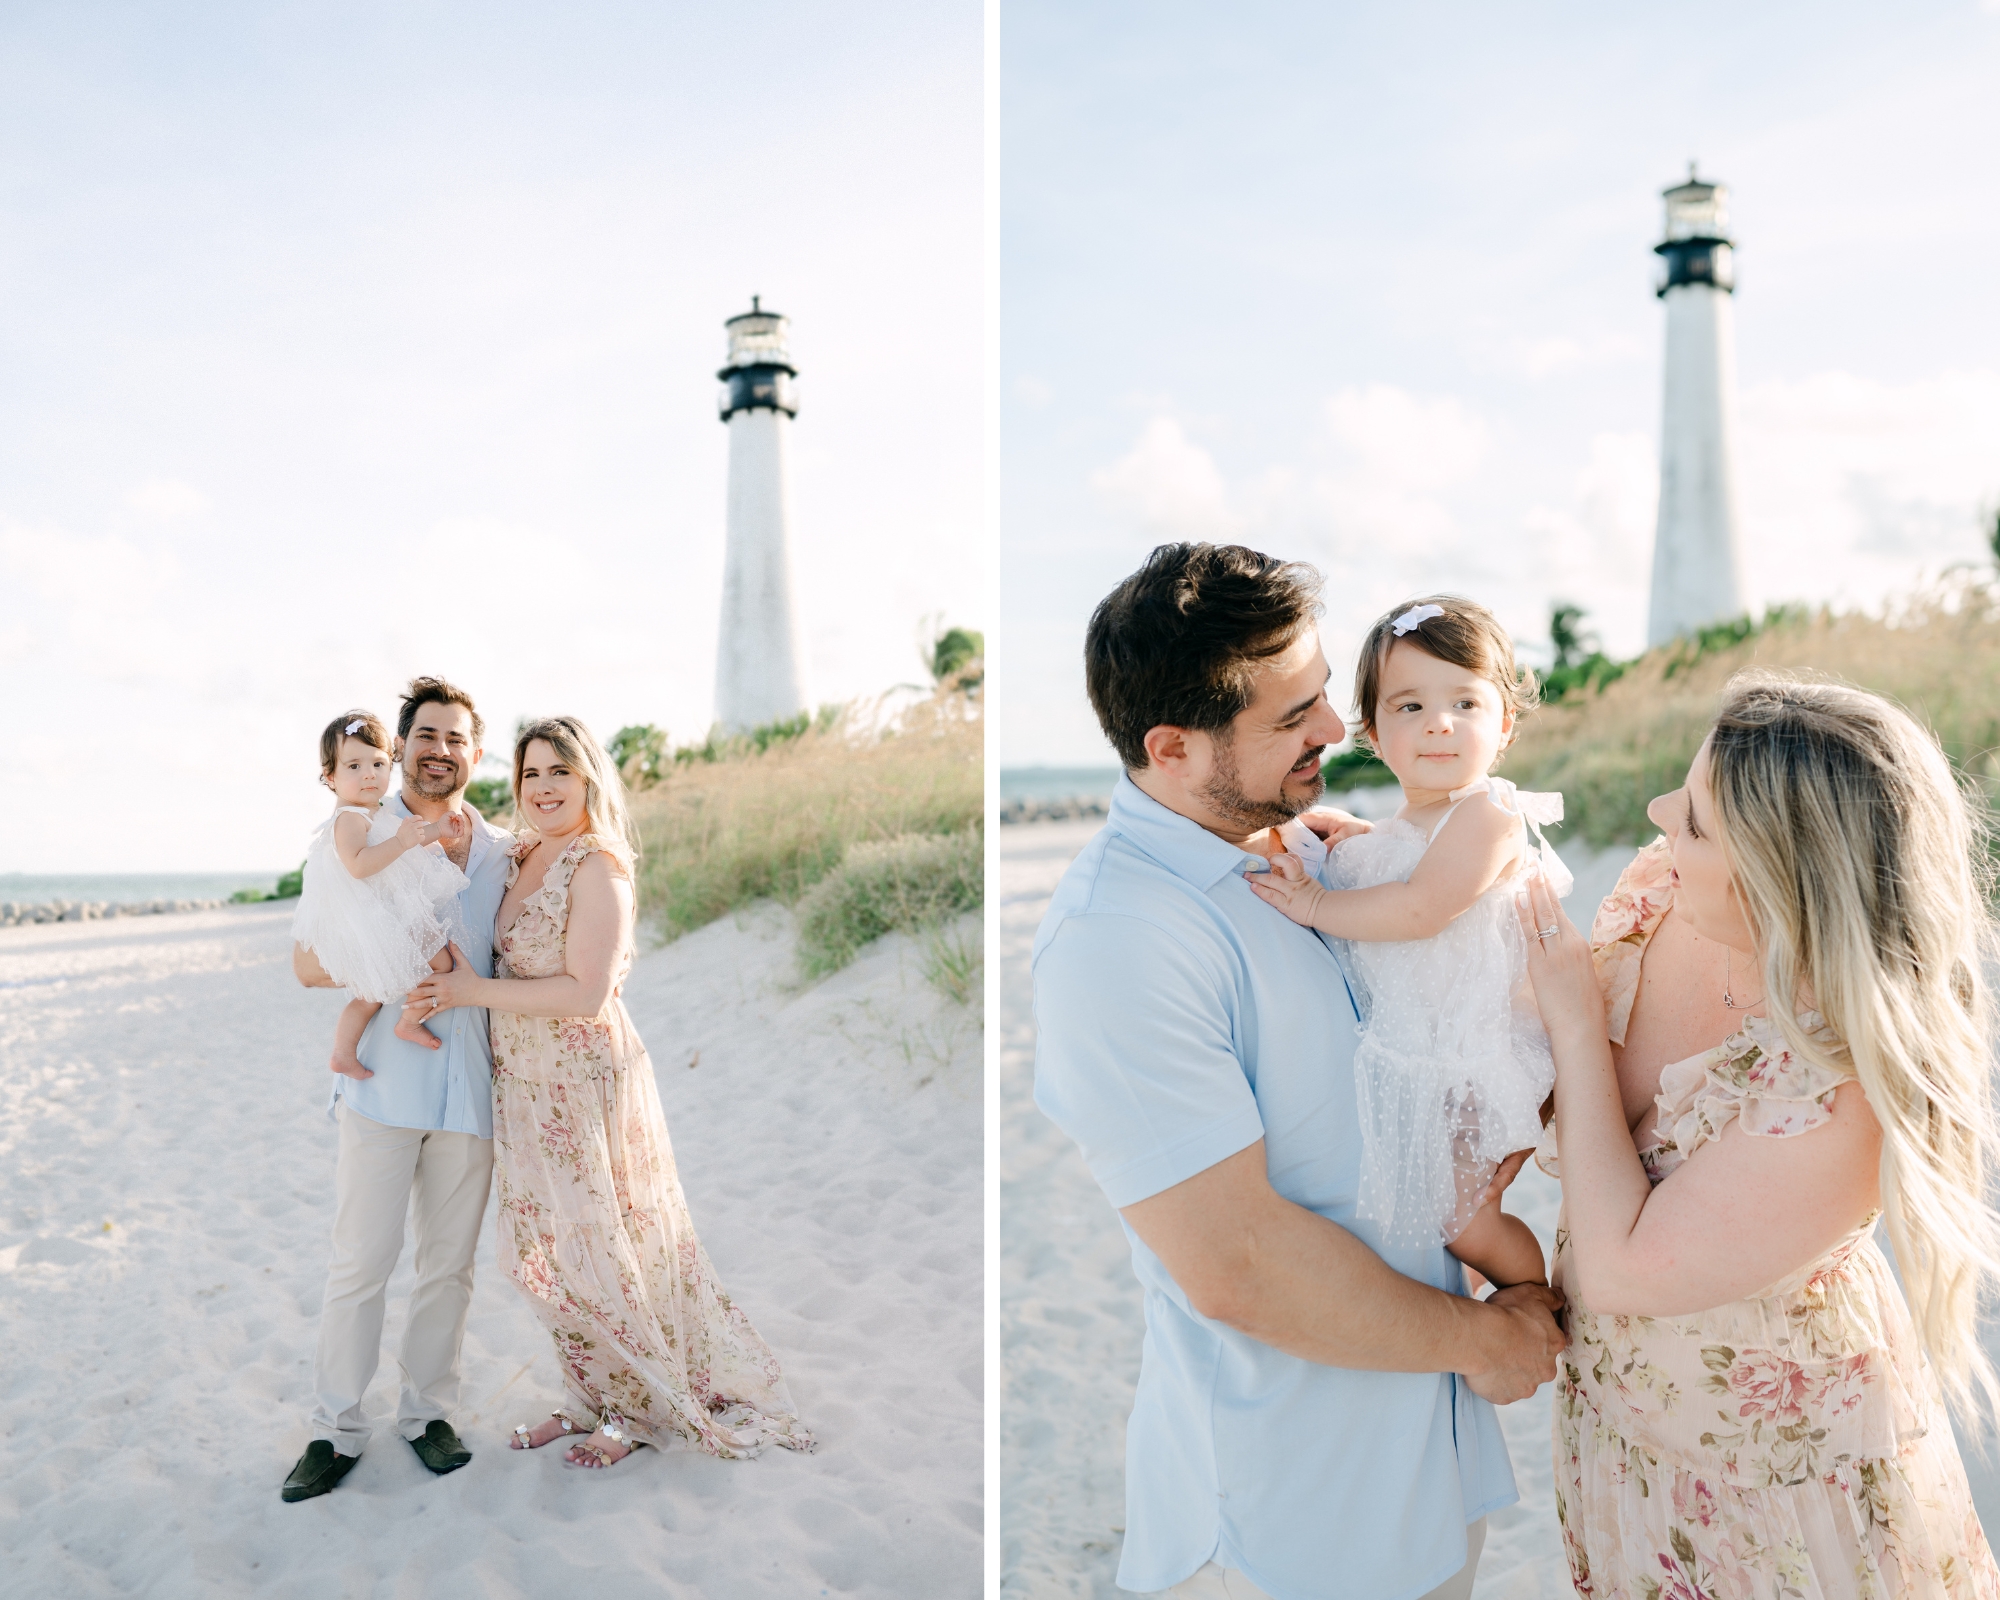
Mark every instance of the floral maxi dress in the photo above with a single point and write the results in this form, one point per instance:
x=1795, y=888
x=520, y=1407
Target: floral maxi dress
x=1793, y=1444
x=594, y=1229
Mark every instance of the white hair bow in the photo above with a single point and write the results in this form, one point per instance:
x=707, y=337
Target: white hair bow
x=355, y=725
x=1414, y=617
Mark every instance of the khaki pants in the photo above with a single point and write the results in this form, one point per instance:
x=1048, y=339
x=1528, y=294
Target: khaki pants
x=440, y=1181
x=1226, y=1583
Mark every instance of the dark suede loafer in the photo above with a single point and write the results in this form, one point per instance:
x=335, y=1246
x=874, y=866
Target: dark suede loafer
x=319, y=1469
x=437, y=1447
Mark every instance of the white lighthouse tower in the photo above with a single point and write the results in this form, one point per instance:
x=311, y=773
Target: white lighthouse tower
x=758, y=672
x=1697, y=562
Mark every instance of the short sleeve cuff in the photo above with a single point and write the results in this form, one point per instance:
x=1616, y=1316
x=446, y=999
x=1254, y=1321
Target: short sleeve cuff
x=1160, y=1170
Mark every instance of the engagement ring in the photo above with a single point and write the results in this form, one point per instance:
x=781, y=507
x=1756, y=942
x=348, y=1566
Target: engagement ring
x=1546, y=934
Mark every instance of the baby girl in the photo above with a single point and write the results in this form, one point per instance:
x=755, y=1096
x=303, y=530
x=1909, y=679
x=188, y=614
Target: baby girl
x=380, y=903
x=1453, y=1064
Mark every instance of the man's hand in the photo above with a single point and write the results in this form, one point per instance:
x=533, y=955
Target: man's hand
x=1333, y=825
x=1523, y=1342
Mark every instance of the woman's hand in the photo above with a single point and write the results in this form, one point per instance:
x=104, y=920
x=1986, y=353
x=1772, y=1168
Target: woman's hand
x=1559, y=964
x=1288, y=886
x=1333, y=825
x=443, y=990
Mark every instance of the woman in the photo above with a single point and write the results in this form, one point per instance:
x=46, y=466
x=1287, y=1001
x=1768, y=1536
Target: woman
x=1798, y=1045
x=594, y=1229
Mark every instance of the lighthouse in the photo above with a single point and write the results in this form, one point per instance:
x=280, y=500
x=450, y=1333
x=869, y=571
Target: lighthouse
x=758, y=673
x=1697, y=557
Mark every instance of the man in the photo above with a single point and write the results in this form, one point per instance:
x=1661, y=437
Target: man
x=416, y=1135
x=1314, y=1412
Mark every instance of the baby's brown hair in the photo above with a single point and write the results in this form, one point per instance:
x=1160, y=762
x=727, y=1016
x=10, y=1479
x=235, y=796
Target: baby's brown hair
x=362, y=725
x=1466, y=634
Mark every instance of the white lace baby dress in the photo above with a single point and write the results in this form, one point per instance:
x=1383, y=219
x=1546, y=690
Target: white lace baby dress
x=376, y=936
x=1453, y=1064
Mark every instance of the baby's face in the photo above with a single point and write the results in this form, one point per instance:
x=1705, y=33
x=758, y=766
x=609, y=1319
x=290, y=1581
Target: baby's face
x=360, y=773
x=1437, y=726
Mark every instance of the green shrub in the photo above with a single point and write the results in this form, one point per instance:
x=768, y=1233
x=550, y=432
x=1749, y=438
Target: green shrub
x=1359, y=768
x=290, y=887
x=490, y=797
x=912, y=881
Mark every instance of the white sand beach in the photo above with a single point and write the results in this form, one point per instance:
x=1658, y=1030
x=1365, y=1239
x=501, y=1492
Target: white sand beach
x=165, y=1205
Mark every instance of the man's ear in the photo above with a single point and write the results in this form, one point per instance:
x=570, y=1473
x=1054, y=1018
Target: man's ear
x=477, y=757
x=1166, y=746
x=396, y=752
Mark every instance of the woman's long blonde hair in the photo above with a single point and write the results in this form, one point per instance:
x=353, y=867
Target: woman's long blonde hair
x=603, y=792
x=1862, y=868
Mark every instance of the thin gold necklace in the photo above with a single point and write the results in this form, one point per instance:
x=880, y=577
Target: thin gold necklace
x=1728, y=999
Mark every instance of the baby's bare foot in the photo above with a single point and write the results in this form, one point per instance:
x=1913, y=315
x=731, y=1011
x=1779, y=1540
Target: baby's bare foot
x=407, y=1027
x=348, y=1066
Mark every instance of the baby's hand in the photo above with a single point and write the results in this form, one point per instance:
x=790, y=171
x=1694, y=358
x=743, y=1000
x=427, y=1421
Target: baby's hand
x=1288, y=886
x=410, y=833
x=1334, y=825
x=449, y=826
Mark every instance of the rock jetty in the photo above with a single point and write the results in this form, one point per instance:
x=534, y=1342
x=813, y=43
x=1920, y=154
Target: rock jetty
x=1078, y=808
x=14, y=916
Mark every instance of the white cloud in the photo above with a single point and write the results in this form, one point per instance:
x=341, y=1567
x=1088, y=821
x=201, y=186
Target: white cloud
x=167, y=498
x=1169, y=485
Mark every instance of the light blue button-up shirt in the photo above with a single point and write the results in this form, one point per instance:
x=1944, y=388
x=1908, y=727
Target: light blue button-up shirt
x=1179, y=1020
x=451, y=1089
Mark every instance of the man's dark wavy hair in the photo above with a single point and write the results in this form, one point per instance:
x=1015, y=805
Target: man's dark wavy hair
x=1180, y=642
x=436, y=691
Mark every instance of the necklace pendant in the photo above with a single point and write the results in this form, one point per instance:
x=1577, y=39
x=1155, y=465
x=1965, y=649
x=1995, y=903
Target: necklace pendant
x=1729, y=999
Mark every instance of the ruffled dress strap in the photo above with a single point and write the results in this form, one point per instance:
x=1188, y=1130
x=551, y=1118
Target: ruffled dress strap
x=1626, y=922
x=1625, y=925
x=1754, y=1078
x=1536, y=811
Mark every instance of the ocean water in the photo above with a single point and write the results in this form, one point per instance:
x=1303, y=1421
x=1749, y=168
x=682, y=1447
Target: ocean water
x=1057, y=783
x=123, y=888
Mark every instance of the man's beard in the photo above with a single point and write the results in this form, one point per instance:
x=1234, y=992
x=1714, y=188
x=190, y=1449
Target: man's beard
x=1223, y=794
x=414, y=778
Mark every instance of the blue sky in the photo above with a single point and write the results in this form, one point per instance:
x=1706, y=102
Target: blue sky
x=348, y=341
x=1372, y=285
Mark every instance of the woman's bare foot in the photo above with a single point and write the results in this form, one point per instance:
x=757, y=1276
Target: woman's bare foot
x=408, y=1027
x=598, y=1451
x=554, y=1428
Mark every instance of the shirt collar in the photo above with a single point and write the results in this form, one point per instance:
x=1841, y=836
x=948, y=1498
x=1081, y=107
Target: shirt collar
x=1187, y=849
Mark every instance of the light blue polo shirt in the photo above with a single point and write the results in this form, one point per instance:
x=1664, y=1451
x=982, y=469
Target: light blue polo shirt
x=1179, y=1020
x=448, y=1090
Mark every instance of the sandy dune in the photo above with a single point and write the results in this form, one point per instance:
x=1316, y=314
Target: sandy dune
x=165, y=1202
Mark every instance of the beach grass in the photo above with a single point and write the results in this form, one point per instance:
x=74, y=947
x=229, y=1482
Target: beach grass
x=1612, y=746
x=915, y=880
x=865, y=787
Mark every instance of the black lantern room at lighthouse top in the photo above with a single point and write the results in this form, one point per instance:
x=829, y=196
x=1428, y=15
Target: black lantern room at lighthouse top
x=759, y=373
x=1697, y=249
